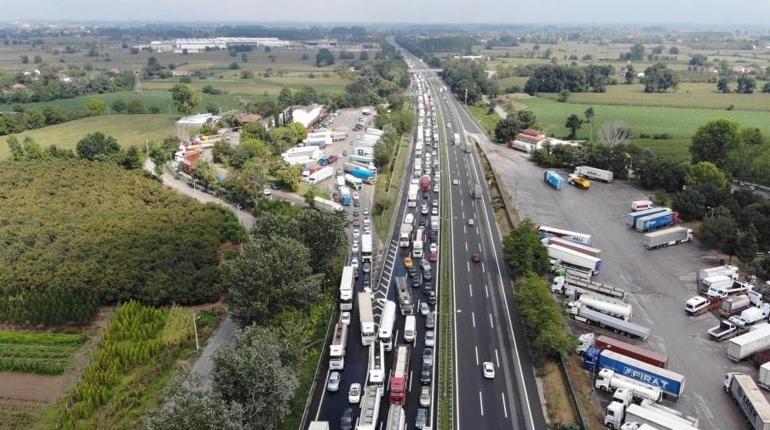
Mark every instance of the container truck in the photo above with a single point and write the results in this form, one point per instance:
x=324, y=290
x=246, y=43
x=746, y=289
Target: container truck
x=364, y=151
x=580, y=312
x=572, y=236
x=370, y=408
x=321, y=142
x=670, y=382
x=345, y=196
x=734, y=305
x=327, y=205
x=745, y=345
x=359, y=171
x=366, y=318
x=405, y=235
x=553, y=179
x=377, y=363
x=607, y=380
x=632, y=217
x=346, y=288
x=404, y=296
x=606, y=305
x=750, y=316
x=337, y=347
x=749, y=398
x=385, y=332
x=656, y=221
x=318, y=425
x=572, y=286
x=667, y=237
x=456, y=139
x=764, y=375
x=399, y=377
x=321, y=175
x=354, y=182
x=585, y=249
x=579, y=181
x=574, y=258
x=605, y=342
x=412, y=195
x=478, y=192
x=396, y=418
x=365, y=159
x=646, y=414
x=640, y=205
x=366, y=246
x=425, y=183
x=594, y=173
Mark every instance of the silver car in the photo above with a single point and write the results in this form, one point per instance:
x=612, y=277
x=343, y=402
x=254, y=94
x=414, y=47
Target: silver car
x=334, y=382
x=425, y=396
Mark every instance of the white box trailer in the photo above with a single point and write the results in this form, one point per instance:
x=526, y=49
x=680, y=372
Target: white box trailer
x=667, y=237
x=750, y=399
x=574, y=258
x=745, y=345
x=594, y=173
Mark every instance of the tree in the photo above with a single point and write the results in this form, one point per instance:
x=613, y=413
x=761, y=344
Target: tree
x=705, y=172
x=187, y=406
x=723, y=85
x=719, y=231
x=285, y=98
x=185, y=98
x=324, y=58
x=24, y=59
x=96, y=106
x=119, y=106
x=256, y=374
x=636, y=53
x=564, y=95
x=506, y=129
x=244, y=58
x=523, y=251
x=659, y=78
x=629, y=75
x=543, y=317
x=673, y=50
x=589, y=115
x=573, y=123
x=766, y=88
x=135, y=106
x=746, y=244
x=269, y=277
x=130, y=159
x=746, y=85
x=98, y=147
x=714, y=141
x=698, y=60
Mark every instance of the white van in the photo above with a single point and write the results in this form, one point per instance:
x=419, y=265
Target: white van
x=409, y=219
x=641, y=205
x=410, y=328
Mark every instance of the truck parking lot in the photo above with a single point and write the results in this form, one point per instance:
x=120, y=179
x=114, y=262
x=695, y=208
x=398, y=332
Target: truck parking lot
x=658, y=281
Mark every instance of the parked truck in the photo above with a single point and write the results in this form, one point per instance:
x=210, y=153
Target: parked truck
x=607, y=380
x=724, y=270
x=667, y=237
x=632, y=217
x=355, y=182
x=327, y=205
x=749, y=398
x=725, y=330
x=647, y=414
x=579, y=181
x=553, y=179
x=584, y=249
x=751, y=315
x=580, y=312
x=641, y=205
x=698, y=305
x=734, y=305
x=605, y=342
x=670, y=382
x=359, y=171
x=574, y=258
x=570, y=285
x=745, y=345
x=594, y=173
x=764, y=375
x=656, y=221
x=321, y=175
x=606, y=305
x=724, y=290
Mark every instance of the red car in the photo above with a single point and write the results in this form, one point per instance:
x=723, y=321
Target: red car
x=433, y=252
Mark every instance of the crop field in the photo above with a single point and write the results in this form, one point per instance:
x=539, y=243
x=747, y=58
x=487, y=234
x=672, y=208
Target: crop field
x=129, y=130
x=260, y=86
x=39, y=353
x=688, y=95
x=679, y=123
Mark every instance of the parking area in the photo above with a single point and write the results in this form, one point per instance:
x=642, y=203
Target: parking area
x=658, y=281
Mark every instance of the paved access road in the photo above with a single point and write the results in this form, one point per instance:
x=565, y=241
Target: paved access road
x=487, y=324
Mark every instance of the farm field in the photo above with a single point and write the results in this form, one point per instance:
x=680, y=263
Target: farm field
x=679, y=123
x=260, y=86
x=39, y=353
x=129, y=130
x=688, y=95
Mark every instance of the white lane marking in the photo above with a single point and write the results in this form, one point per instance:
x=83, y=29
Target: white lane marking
x=466, y=246
x=505, y=410
x=468, y=264
x=475, y=348
x=470, y=289
x=491, y=324
x=473, y=318
x=326, y=382
x=497, y=358
x=465, y=231
x=486, y=290
x=410, y=381
x=482, y=268
x=481, y=404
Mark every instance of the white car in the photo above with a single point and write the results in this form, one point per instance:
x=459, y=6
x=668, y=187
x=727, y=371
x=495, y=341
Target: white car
x=471, y=222
x=267, y=192
x=424, y=309
x=345, y=317
x=434, y=211
x=354, y=249
x=334, y=382
x=455, y=181
x=354, y=394
x=356, y=233
x=354, y=264
x=430, y=338
x=415, y=181
x=425, y=396
x=489, y=369
x=434, y=247
x=435, y=188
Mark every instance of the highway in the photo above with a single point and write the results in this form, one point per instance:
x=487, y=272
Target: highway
x=487, y=325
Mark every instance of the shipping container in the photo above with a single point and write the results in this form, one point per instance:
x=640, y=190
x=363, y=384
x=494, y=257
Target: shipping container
x=633, y=351
x=670, y=382
x=553, y=179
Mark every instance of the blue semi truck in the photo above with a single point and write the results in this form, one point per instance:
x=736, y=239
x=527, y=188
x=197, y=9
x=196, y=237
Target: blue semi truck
x=657, y=221
x=671, y=383
x=553, y=179
x=360, y=172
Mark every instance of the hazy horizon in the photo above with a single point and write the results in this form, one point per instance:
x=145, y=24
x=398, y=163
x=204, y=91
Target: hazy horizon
x=495, y=12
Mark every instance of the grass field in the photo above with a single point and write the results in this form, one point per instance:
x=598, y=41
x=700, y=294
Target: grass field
x=129, y=130
x=679, y=123
x=689, y=95
x=39, y=353
x=487, y=120
x=260, y=86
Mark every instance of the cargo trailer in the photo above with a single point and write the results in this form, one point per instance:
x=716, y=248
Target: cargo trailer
x=580, y=312
x=553, y=179
x=657, y=221
x=745, y=345
x=749, y=398
x=631, y=217
x=667, y=237
x=573, y=258
x=594, y=173
x=670, y=382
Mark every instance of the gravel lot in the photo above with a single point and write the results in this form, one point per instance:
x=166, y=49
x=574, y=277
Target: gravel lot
x=659, y=281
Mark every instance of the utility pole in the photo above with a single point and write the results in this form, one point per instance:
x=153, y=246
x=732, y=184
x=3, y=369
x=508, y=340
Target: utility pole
x=195, y=328
x=466, y=97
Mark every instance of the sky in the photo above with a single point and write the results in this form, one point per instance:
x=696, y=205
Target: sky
x=720, y=12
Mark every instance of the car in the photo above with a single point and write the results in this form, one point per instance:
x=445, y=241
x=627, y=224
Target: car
x=354, y=249
x=434, y=211
x=267, y=192
x=425, y=373
x=435, y=188
x=346, y=420
x=416, y=283
x=433, y=256
x=345, y=317
x=334, y=382
x=367, y=221
x=471, y=222
x=356, y=233
x=424, y=309
x=425, y=396
x=427, y=356
x=425, y=196
x=356, y=203
x=356, y=223
x=424, y=208
x=412, y=272
x=488, y=369
x=430, y=320
x=422, y=222
x=366, y=267
x=427, y=275
x=366, y=284
x=428, y=171
x=435, y=203
x=366, y=214
x=425, y=265
x=414, y=181
x=455, y=181
x=429, y=293
x=476, y=257
x=430, y=338
x=354, y=393
x=355, y=195
x=355, y=213
x=354, y=264
x=367, y=228
x=421, y=419
x=408, y=263
x=434, y=247
x=434, y=152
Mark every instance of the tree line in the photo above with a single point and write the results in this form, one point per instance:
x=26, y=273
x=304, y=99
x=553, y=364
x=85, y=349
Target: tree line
x=52, y=83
